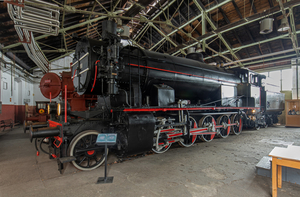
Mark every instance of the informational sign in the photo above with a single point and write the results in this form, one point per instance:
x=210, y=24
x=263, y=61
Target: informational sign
x=106, y=138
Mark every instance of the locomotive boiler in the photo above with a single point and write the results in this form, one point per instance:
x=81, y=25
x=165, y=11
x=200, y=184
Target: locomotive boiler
x=151, y=100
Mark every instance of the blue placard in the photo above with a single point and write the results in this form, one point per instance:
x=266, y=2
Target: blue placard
x=106, y=138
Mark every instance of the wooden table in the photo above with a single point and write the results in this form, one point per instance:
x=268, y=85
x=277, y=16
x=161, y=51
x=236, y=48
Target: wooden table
x=289, y=157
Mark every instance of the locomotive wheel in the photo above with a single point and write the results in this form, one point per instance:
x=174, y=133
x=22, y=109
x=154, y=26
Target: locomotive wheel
x=192, y=140
x=161, y=149
x=236, y=129
x=207, y=121
x=80, y=147
x=224, y=132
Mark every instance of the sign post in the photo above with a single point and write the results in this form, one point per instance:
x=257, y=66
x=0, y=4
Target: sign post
x=107, y=139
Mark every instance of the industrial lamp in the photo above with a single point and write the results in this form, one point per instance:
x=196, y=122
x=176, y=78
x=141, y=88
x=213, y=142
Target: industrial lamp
x=284, y=26
x=266, y=26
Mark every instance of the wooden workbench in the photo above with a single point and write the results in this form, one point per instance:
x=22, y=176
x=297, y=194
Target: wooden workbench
x=289, y=157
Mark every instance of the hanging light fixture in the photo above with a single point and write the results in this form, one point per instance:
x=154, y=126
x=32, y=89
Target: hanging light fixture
x=199, y=48
x=266, y=26
x=120, y=28
x=284, y=26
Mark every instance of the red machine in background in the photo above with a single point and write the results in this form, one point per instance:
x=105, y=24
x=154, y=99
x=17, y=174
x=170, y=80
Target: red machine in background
x=52, y=86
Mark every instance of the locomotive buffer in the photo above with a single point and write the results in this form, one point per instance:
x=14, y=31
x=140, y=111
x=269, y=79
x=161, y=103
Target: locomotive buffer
x=108, y=139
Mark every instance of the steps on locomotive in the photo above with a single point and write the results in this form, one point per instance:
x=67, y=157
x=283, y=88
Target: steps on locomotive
x=264, y=168
x=67, y=159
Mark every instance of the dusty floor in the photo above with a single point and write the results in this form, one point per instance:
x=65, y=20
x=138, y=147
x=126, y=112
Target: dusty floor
x=223, y=167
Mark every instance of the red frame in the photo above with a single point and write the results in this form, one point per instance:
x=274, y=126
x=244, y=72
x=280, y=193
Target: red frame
x=53, y=124
x=185, y=108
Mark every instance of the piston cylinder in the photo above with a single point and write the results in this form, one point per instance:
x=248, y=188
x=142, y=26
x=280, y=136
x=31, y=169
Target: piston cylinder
x=44, y=132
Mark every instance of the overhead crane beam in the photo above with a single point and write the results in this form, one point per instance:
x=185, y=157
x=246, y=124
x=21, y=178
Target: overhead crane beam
x=45, y=51
x=257, y=43
x=214, y=28
x=156, y=15
x=167, y=6
x=293, y=32
x=165, y=36
x=263, y=56
x=176, y=30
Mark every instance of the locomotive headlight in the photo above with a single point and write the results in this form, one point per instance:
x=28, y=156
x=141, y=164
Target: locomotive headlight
x=253, y=111
x=52, y=108
x=58, y=109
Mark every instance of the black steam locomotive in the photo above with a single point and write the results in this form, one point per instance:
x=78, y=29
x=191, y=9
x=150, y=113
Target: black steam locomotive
x=151, y=100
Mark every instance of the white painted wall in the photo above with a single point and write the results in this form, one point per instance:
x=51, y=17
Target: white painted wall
x=19, y=89
x=17, y=85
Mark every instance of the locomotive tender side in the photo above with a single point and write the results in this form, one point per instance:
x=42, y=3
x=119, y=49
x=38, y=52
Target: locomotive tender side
x=150, y=100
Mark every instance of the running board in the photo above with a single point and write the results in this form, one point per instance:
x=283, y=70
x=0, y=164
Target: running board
x=67, y=159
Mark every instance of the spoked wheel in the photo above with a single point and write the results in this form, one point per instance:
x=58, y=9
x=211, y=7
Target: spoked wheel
x=224, y=131
x=83, y=148
x=236, y=129
x=189, y=142
x=209, y=122
x=160, y=147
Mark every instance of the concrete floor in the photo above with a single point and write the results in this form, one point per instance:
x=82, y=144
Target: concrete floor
x=223, y=167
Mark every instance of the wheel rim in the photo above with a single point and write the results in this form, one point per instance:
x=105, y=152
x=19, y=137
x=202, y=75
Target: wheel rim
x=236, y=129
x=80, y=147
x=160, y=148
x=189, y=142
x=224, y=131
x=208, y=121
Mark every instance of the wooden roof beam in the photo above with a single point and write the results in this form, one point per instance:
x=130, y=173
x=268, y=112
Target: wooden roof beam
x=237, y=9
x=252, y=39
x=246, y=26
x=283, y=36
x=271, y=3
x=195, y=14
x=199, y=5
x=234, y=31
x=238, y=24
